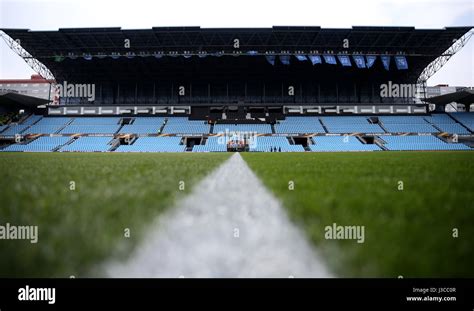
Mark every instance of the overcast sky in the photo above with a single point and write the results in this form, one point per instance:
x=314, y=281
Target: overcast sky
x=51, y=15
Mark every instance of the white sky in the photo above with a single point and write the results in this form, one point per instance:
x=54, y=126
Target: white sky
x=134, y=14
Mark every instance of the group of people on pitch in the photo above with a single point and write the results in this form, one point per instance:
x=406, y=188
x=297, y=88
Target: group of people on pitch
x=274, y=149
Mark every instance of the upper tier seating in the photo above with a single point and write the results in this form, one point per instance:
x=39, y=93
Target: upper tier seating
x=455, y=128
x=32, y=119
x=14, y=129
x=143, y=126
x=148, y=121
x=42, y=144
x=410, y=128
x=407, y=124
x=255, y=128
x=88, y=144
x=96, y=121
x=179, y=125
x=3, y=127
x=402, y=120
x=445, y=123
x=140, y=129
x=466, y=118
x=299, y=125
x=347, y=125
x=428, y=142
x=93, y=125
x=91, y=129
x=439, y=118
x=47, y=125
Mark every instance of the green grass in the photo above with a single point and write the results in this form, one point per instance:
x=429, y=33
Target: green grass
x=407, y=232
x=78, y=229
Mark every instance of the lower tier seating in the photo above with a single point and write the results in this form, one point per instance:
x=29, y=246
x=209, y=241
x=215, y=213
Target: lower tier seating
x=341, y=143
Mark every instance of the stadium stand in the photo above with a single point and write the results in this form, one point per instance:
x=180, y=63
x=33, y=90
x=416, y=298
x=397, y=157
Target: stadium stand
x=466, y=118
x=446, y=124
x=439, y=118
x=209, y=148
x=149, y=121
x=140, y=129
x=88, y=144
x=32, y=119
x=254, y=128
x=14, y=129
x=402, y=120
x=43, y=129
x=177, y=125
x=299, y=125
x=47, y=126
x=139, y=100
x=96, y=125
x=213, y=144
x=258, y=144
x=454, y=128
x=406, y=124
x=154, y=144
x=410, y=128
x=340, y=143
x=96, y=121
x=427, y=142
x=143, y=126
x=91, y=129
x=270, y=143
x=41, y=144
x=347, y=125
x=54, y=121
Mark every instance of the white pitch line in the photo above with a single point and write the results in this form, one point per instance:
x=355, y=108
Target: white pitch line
x=230, y=225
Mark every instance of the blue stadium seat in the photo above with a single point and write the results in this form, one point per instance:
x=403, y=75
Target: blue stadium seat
x=32, y=119
x=154, y=144
x=267, y=143
x=445, y=123
x=427, y=142
x=299, y=125
x=340, y=143
x=465, y=118
x=254, y=128
x=213, y=144
x=91, y=129
x=41, y=144
x=96, y=121
x=179, y=125
x=88, y=144
x=348, y=125
x=402, y=120
x=410, y=128
x=14, y=129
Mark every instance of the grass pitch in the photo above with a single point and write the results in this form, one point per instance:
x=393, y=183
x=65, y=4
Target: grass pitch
x=408, y=232
x=79, y=228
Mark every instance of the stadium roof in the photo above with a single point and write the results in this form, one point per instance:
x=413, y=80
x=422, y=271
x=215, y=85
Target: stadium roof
x=13, y=100
x=465, y=97
x=66, y=52
x=193, y=39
